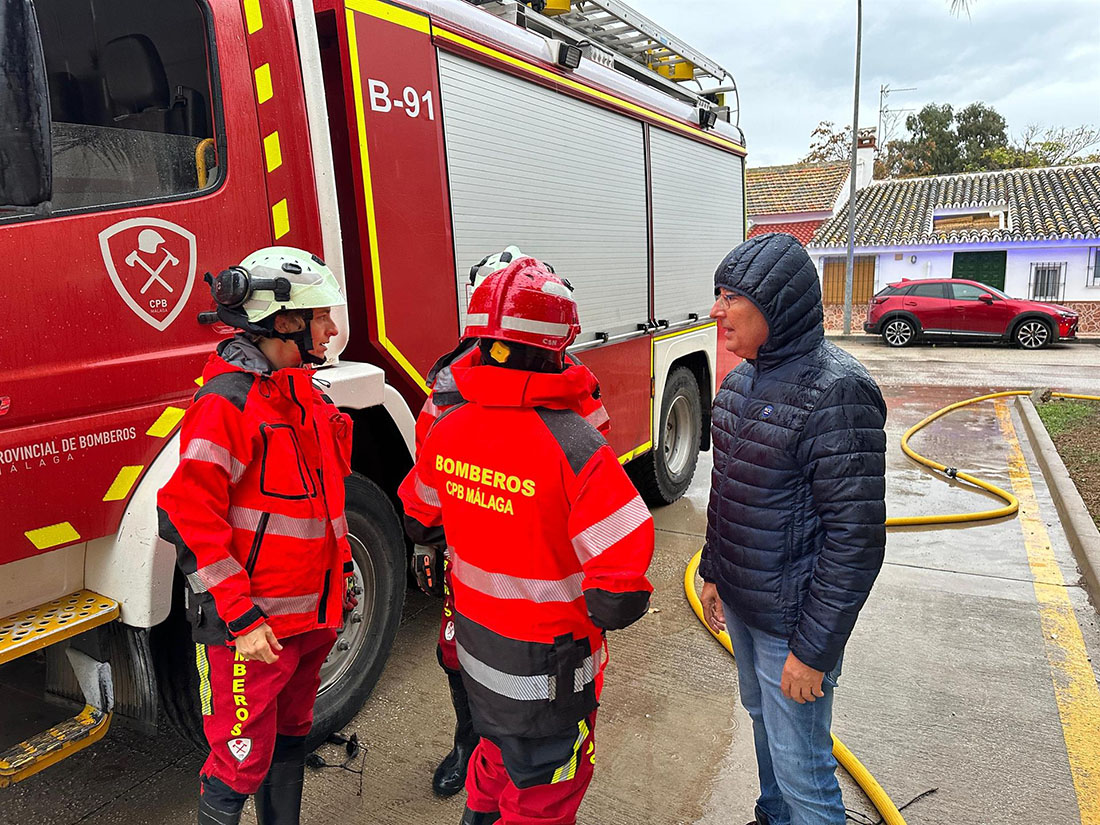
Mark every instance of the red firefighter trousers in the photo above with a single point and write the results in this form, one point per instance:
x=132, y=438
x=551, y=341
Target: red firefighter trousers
x=246, y=703
x=489, y=787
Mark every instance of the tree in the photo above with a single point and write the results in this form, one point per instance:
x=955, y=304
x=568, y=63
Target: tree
x=1047, y=147
x=828, y=143
x=980, y=130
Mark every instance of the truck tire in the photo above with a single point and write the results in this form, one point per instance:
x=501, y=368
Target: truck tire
x=362, y=646
x=355, y=664
x=664, y=473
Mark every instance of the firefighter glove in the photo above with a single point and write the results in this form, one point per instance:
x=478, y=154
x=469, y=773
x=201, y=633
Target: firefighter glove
x=427, y=566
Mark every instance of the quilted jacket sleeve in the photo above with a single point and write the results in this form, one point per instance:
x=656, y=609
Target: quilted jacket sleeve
x=194, y=505
x=843, y=453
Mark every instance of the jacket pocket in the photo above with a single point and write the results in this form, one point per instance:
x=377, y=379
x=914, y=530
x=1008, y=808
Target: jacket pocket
x=284, y=473
x=322, y=606
x=257, y=540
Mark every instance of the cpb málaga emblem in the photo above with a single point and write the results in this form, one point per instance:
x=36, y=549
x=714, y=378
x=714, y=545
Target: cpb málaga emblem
x=151, y=263
x=240, y=748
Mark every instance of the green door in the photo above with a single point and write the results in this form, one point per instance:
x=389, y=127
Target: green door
x=985, y=267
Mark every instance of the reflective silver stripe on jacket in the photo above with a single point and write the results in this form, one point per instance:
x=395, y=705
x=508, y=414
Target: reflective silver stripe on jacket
x=201, y=449
x=531, y=326
x=525, y=688
x=503, y=586
x=245, y=518
x=214, y=574
x=287, y=605
x=429, y=495
x=617, y=526
x=340, y=526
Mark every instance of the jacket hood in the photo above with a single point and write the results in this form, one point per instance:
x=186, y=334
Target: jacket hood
x=775, y=273
x=236, y=354
x=493, y=386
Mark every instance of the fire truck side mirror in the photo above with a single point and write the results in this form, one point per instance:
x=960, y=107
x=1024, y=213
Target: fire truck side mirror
x=26, y=157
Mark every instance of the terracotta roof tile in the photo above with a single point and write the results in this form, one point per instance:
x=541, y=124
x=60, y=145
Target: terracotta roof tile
x=1061, y=202
x=801, y=187
x=803, y=230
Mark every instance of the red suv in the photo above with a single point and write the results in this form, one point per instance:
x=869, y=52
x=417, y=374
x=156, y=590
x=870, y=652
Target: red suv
x=964, y=311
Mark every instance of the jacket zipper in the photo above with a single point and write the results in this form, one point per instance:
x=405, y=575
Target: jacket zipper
x=322, y=610
x=254, y=551
x=294, y=398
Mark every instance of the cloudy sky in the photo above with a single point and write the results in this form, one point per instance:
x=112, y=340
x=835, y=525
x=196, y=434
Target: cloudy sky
x=1034, y=61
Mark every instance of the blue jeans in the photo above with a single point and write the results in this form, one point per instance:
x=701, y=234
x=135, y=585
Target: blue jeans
x=794, y=748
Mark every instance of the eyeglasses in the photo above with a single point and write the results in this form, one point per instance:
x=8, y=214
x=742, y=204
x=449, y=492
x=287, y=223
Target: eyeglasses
x=726, y=299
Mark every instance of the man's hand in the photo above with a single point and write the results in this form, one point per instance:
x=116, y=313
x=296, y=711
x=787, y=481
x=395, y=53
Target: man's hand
x=259, y=645
x=427, y=566
x=713, y=613
x=800, y=682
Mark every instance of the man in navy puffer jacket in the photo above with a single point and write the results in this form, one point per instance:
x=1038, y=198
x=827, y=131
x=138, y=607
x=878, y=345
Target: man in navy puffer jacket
x=796, y=522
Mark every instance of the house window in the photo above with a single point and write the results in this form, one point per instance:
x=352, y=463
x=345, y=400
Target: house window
x=834, y=273
x=1048, y=281
x=1092, y=274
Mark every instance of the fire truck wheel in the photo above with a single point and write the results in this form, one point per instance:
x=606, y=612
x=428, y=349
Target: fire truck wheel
x=353, y=667
x=664, y=473
x=356, y=661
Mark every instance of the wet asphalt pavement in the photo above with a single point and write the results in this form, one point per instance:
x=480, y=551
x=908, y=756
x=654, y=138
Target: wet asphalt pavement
x=946, y=680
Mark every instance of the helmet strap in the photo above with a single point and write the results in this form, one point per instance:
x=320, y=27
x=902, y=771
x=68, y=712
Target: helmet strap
x=303, y=338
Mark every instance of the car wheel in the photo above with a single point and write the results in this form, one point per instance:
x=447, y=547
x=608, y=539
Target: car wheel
x=1032, y=334
x=899, y=332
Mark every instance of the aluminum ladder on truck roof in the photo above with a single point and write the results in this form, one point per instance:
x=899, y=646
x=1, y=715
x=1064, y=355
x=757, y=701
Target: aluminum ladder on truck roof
x=612, y=33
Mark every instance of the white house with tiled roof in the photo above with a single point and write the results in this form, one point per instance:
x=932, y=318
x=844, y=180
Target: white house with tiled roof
x=1034, y=233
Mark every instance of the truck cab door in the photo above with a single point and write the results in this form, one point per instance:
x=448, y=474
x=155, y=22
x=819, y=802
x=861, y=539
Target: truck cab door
x=158, y=176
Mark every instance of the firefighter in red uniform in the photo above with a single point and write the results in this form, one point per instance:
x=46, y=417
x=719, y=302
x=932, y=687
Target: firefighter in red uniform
x=549, y=544
x=256, y=513
x=427, y=562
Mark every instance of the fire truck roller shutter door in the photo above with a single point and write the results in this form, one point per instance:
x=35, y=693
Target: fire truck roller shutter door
x=698, y=217
x=583, y=209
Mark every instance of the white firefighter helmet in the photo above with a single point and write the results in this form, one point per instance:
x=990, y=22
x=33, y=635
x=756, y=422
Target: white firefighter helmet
x=312, y=284
x=491, y=264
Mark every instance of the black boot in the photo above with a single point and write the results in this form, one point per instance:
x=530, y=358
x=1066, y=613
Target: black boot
x=219, y=804
x=477, y=818
x=279, y=799
x=450, y=776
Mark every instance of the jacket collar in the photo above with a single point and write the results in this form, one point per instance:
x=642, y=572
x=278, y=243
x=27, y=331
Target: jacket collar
x=502, y=387
x=240, y=354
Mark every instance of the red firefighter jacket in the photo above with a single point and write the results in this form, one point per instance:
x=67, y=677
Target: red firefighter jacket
x=256, y=507
x=549, y=543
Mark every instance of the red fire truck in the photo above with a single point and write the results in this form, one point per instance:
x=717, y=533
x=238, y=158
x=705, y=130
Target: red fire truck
x=147, y=143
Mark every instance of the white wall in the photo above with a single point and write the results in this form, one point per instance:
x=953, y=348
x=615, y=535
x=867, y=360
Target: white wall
x=936, y=262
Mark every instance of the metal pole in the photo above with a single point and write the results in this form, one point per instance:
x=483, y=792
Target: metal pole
x=849, y=271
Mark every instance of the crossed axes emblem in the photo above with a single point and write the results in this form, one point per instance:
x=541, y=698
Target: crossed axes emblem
x=149, y=240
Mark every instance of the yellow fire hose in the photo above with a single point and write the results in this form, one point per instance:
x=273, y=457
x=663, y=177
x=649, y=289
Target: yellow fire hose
x=867, y=783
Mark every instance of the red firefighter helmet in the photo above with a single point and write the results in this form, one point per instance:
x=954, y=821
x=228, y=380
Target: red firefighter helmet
x=524, y=303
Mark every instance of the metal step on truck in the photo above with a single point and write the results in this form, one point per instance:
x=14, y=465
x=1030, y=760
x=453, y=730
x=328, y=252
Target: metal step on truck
x=147, y=143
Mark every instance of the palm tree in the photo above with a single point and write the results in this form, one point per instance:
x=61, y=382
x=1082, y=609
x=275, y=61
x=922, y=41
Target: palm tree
x=960, y=5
